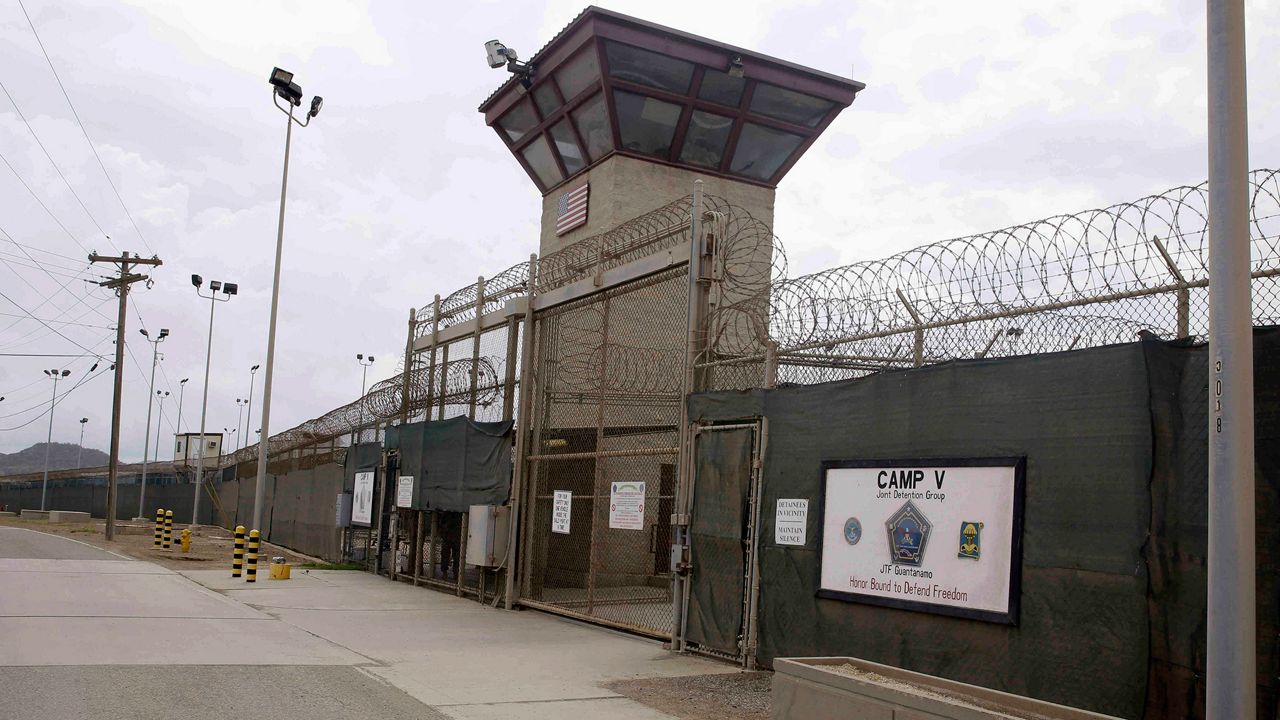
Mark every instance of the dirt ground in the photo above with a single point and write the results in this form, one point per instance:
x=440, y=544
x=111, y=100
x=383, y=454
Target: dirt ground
x=732, y=696
x=211, y=547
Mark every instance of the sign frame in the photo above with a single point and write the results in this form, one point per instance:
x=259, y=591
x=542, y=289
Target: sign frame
x=1019, y=466
x=355, y=506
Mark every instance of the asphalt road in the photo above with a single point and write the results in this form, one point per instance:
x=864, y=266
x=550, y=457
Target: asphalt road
x=89, y=635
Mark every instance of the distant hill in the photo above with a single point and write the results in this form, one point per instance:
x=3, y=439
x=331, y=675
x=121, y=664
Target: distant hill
x=62, y=456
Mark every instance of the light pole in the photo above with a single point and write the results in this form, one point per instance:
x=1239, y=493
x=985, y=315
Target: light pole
x=230, y=432
x=161, y=397
x=80, y=451
x=53, y=401
x=182, y=387
x=364, y=374
x=240, y=415
x=252, y=372
x=228, y=289
x=146, y=445
x=284, y=89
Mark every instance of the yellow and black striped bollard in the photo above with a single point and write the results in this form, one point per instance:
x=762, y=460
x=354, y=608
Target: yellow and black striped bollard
x=168, y=529
x=237, y=558
x=159, y=528
x=252, y=571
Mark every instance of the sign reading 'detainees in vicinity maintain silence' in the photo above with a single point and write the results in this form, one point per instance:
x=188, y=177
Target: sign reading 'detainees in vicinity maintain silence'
x=791, y=521
x=626, y=506
x=362, y=499
x=940, y=536
x=404, y=492
x=561, y=511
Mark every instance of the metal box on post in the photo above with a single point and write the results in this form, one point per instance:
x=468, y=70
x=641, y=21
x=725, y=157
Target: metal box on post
x=487, y=530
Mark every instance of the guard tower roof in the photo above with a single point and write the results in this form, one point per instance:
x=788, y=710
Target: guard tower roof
x=612, y=84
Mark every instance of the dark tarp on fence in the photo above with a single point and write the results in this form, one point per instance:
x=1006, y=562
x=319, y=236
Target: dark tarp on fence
x=1113, y=577
x=457, y=462
x=716, y=529
x=361, y=457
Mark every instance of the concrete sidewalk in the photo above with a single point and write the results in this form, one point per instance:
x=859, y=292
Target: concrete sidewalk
x=468, y=660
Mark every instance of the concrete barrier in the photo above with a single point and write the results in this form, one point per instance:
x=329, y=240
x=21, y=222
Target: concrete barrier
x=68, y=516
x=35, y=514
x=844, y=688
x=5, y=513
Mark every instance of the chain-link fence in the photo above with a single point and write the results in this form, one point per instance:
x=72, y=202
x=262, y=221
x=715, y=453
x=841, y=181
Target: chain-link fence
x=1092, y=278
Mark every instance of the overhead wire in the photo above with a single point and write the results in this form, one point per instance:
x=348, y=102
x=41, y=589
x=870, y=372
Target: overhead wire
x=57, y=169
x=60, y=398
x=83, y=131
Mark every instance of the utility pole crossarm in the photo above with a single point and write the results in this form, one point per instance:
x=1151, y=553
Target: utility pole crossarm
x=95, y=257
x=127, y=279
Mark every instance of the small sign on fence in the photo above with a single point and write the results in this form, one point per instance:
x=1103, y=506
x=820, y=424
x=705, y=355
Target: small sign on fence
x=561, y=510
x=404, y=492
x=791, y=522
x=362, y=500
x=626, y=506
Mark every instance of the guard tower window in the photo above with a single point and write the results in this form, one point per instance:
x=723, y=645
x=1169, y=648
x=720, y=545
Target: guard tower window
x=789, y=105
x=578, y=74
x=761, y=151
x=567, y=146
x=518, y=121
x=647, y=125
x=593, y=125
x=648, y=68
x=705, y=139
x=722, y=88
x=538, y=156
x=545, y=96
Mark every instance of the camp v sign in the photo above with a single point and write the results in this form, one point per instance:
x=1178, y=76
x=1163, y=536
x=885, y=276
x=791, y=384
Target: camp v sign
x=940, y=536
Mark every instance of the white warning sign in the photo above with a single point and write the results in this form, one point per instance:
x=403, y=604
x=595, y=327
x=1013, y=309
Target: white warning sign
x=626, y=506
x=791, y=521
x=561, y=511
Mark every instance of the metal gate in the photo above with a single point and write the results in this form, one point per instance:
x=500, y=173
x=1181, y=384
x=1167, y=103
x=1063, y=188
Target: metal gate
x=719, y=614
x=609, y=373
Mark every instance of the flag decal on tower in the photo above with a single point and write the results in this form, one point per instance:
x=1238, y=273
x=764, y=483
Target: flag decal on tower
x=571, y=211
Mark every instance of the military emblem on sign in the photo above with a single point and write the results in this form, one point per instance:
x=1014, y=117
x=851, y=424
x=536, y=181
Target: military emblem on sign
x=971, y=540
x=908, y=534
x=852, y=531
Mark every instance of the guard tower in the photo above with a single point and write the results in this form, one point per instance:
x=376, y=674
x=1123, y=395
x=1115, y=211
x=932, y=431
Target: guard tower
x=623, y=115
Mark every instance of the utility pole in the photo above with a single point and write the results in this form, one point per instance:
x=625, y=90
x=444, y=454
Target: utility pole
x=121, y=286
x=1231, y=618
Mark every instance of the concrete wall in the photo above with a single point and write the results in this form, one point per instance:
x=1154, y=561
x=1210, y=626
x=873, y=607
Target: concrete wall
x=623, y=188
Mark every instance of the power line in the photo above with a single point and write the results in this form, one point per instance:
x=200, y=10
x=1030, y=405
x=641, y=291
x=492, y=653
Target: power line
x=41, y=202
x=41, y=250
x=26, y=338
x=58, y=271
x=35, y=137
x=5, y=354
x=59, y=399
x=42, y=322
x=60, y=322
x=82, y=128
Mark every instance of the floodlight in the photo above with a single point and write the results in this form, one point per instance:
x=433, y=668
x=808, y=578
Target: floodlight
x=370, y=358
x=183, y=381
x=359, y=356
x=197, y=280
x=735, y=67
x=230, y=288
x=164, y=332
x=144, y=332
x=281, y=78
x=46, y=372
x=255, y=367
x=82, y=420
x=316, y=102
x=66, y=373
x=215, y=285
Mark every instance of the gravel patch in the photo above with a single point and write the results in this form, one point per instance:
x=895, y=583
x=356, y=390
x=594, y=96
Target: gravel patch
x=727, y=696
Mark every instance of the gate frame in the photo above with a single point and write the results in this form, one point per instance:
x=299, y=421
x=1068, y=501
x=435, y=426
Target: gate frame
x=746, y=655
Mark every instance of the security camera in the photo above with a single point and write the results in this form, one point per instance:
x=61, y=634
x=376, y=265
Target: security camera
x=498, y=54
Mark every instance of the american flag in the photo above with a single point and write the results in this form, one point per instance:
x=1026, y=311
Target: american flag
x=572, y=209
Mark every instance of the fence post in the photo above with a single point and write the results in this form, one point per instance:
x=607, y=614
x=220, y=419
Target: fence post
x=696, y=336
x=475, y=349
x=917, y=354
x=523, y=424
x=417, y=546
x=771, y=364
x=431, y=363
x=597, y=486
x=1184, y=293
x=444, y=381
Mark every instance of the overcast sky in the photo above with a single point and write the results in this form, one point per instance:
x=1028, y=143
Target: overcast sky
x=972, y=119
